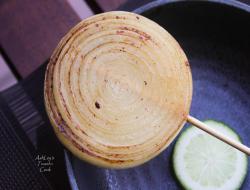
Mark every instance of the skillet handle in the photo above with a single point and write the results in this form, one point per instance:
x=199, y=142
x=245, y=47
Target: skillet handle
x=241, y=147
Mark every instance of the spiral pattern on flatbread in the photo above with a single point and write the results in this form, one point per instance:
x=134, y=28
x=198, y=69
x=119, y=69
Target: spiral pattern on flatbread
x=117, y=89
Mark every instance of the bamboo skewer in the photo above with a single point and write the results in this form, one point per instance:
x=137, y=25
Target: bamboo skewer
x=241, y=147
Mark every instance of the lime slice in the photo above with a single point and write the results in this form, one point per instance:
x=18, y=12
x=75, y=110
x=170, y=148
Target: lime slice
x=201, y=162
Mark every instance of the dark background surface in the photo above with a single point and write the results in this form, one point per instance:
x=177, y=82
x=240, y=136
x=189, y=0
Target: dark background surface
x=216, y=41
x=30, y=30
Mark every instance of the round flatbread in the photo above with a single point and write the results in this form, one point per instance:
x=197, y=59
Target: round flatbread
x=118, y=89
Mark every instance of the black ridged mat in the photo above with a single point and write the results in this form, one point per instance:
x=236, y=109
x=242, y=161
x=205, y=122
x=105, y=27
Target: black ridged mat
x=17, y=164
x=25, y=134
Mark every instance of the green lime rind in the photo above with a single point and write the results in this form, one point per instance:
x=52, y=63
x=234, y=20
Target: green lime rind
x=185, y=134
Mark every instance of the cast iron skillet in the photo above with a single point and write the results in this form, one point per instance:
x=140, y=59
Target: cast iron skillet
x=215, y=35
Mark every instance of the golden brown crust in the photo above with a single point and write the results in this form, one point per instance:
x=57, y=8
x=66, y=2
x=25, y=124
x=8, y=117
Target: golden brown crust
x=117, y=89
